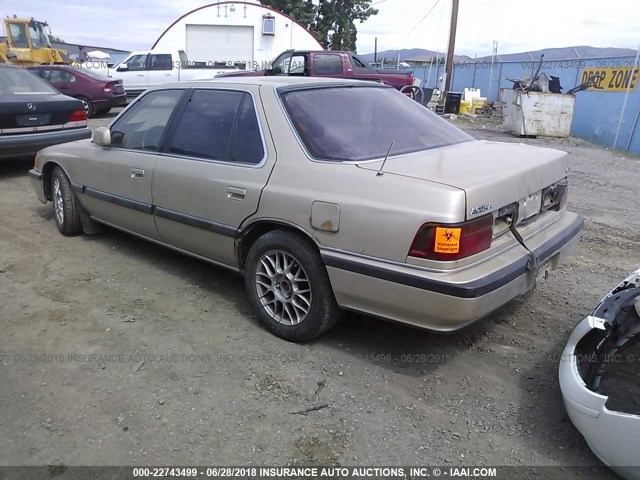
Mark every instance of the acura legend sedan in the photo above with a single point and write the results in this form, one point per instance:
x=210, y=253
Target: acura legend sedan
x=325, y=195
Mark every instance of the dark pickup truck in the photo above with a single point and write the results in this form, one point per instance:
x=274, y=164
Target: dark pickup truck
x=336, y=64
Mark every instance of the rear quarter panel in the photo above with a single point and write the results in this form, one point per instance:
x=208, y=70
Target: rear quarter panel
x=379, y=215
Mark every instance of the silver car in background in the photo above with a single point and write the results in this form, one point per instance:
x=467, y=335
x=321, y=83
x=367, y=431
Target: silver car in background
x=326, y=195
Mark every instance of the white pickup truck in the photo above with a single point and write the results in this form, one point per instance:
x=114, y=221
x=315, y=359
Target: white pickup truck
x=145, y=69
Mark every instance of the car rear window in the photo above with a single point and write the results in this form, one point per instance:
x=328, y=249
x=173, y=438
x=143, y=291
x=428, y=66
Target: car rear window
x=19, y=81
x=359, y=123
x=92, y=74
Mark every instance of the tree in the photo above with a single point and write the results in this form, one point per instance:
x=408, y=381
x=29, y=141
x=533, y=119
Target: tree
x=335, y=22
x=304, y=11
x=332, y=21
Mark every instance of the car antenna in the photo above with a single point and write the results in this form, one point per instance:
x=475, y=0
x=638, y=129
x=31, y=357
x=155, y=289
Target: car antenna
x=379, y=174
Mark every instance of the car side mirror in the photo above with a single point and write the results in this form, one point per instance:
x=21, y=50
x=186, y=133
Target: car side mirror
x=123, y=68
x=274, y=71
x=102, y=136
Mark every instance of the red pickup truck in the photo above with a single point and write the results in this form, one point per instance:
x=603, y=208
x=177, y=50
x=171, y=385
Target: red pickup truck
x=321, y=63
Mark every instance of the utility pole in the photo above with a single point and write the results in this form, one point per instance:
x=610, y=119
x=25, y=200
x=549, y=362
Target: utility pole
x=375, y=51
x=448, y=69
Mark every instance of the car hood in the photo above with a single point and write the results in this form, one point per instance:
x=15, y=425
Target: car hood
x=492, y=174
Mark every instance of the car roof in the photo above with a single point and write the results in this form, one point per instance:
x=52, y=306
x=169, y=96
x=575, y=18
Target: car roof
x=271, y=81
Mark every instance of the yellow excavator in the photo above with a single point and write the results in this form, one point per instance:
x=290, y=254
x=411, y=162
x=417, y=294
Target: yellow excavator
x=28, y=44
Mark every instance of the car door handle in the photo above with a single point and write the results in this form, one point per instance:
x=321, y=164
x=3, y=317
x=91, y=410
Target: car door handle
x=235, y=193
x=64, y=87
x=137, y=174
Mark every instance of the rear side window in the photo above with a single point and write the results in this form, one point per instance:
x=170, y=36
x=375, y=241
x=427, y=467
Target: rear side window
x=359, y=123
x=142, y=125
x=219, y=125
x=327, y=64
x=247, y=146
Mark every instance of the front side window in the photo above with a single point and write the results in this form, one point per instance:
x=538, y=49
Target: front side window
x=142, y=125
x=60, y=76
x=41, y=72
x=327, y=64
x=219, y=125
x=359, y=123
x=54, y=76
x=137, y=62
x=290, y=65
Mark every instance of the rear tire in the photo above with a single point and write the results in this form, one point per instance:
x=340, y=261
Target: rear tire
x=88, y=106
x=289, y=288
x=65, y=204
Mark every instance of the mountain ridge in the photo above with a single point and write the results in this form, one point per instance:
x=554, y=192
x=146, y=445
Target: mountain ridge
x=559, y=53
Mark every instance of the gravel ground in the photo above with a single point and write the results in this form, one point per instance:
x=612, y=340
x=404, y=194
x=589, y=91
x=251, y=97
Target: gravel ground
x=119, y=352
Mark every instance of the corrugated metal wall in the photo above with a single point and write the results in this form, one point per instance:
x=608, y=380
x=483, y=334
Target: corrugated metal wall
x=597, y=113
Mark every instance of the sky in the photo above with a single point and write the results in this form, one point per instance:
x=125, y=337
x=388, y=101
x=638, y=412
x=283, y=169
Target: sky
x=517, y=26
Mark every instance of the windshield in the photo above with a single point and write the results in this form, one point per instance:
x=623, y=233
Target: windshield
x=18, y=81
x=359, y=123
x=39, y=37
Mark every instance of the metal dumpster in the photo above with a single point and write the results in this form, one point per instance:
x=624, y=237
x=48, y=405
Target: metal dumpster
x=537, y=113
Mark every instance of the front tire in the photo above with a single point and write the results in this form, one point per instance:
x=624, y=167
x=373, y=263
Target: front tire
x=65, y=204
x=288, y=286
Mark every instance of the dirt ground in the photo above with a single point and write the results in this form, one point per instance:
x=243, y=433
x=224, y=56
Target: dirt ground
x=115, y=351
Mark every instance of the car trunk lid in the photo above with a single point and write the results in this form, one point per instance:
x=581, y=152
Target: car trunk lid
x=30, y=114
x=492, y=174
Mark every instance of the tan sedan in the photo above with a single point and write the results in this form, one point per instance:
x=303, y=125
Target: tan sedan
x=326, y=195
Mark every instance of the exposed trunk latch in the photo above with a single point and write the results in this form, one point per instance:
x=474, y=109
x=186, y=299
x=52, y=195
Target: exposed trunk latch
x=533, y=263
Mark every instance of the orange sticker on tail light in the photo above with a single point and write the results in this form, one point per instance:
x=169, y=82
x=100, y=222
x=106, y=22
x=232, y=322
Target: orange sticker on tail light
x=447, y=240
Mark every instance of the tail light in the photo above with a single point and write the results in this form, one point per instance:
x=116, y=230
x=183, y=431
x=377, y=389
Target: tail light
x=453, y=242
x=555, y=197
x=410, y=79
x=78, y=116
x=108, y=87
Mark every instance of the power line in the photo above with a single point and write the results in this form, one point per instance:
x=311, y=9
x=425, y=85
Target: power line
x=423, y=18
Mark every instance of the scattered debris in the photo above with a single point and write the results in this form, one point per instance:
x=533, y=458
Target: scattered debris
x=321, y=384
x=541, y=82
x=304, y=411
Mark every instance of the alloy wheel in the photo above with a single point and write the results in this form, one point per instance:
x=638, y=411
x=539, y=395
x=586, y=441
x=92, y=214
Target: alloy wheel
x=58, y=201
x=283, y=287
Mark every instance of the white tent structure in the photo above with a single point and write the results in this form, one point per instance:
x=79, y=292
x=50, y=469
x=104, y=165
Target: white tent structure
x=236, y=32
x=98, y=55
